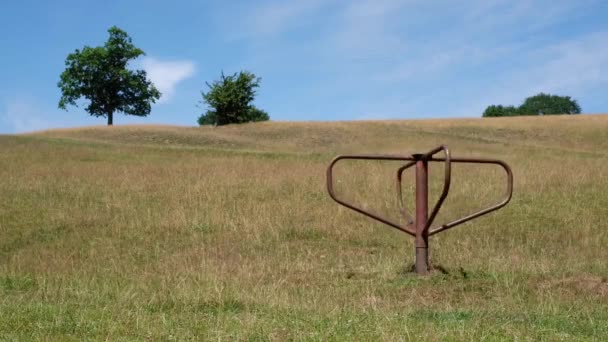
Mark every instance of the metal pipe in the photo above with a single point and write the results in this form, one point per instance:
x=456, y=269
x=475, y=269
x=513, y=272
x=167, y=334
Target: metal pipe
x=332, y=194
x=422, y=211
x=446, y=182
x=409, y=220
x=505, y=200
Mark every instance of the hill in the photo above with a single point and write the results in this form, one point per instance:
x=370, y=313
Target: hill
x=160, y=232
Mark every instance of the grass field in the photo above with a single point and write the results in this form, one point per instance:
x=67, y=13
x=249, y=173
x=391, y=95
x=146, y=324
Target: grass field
x=174, y=233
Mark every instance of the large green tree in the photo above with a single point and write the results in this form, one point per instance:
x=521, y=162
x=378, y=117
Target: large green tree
x=100, y=75
x=230, y=100
x=547, y=104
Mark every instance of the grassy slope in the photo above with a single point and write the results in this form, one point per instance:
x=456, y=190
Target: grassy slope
x=224, y=233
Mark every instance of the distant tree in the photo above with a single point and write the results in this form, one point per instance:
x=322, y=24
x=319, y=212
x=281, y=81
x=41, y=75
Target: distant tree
x=546, y=104
x=499, y=110
x=541, y=104
x=229, y=99
x=100, y=75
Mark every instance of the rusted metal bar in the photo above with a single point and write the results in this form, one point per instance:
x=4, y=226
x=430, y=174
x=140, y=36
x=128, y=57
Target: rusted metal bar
x=332, y=194
x=409, y=220
x=421, y=230
x=502, y=203
x=446, y=183
x=422, y=211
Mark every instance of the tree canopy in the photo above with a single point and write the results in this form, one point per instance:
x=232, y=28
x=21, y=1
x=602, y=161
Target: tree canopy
x=546, y=104
x=230, y=100
x=500, y=110
x=541, y=104
x=100, y=75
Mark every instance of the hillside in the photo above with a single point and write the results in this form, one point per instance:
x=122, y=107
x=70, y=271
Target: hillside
x=161, y=232
x=586, y=132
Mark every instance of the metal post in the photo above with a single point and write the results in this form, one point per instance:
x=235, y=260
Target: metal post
x=422, y=203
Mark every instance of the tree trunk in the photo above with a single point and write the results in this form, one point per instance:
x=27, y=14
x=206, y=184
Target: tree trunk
x=110, y=118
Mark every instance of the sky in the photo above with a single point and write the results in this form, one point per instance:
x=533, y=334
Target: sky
x=318, y=59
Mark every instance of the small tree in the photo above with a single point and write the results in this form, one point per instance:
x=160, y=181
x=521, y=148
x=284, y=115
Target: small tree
x=100, y=75
x=229, y=99
x=495, y=111
x=546, y=104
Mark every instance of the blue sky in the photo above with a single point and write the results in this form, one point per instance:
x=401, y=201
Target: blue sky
x=318, y=59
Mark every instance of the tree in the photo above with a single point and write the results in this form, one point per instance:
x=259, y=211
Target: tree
x=546, y=104
x=541, y=104
x=100, y=75
x=229, y=99
x=494, y=111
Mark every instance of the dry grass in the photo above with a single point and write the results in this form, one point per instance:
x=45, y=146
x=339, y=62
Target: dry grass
x=154, y=232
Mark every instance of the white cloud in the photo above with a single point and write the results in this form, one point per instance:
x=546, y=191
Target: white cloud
x=575, y=64
x=166, y=75
x=261, y=20
x=273, y=18
x=415, y=57
x=364, y=30
x=567, y=68
x=22, y=116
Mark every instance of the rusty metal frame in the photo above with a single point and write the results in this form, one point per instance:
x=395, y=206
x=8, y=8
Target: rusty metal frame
x=421, y=230
x=332, y=194
x=507, y=197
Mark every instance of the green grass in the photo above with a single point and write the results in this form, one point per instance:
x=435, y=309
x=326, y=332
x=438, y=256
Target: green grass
x=169, y=233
